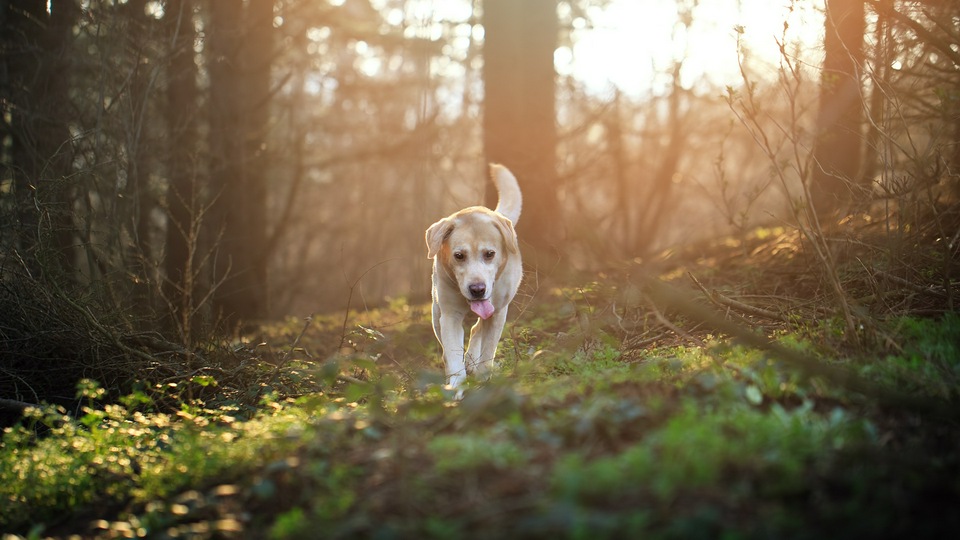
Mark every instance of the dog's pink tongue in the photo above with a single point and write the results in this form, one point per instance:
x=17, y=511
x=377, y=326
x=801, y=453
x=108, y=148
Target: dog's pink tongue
x=483, y=308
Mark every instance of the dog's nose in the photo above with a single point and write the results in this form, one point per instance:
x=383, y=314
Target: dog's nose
x=478, y=290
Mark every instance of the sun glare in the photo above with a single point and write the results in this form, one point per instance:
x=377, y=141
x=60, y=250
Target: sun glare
x=633, y=44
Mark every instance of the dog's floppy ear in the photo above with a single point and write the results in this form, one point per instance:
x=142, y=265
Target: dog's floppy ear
x=436, y=234
x=509, y=234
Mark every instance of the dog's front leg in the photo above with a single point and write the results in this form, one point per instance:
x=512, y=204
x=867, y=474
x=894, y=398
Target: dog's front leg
x=475, y=345
x=489, y=336
x=451, y=340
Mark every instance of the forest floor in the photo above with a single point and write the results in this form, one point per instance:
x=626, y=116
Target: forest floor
x=775, y=396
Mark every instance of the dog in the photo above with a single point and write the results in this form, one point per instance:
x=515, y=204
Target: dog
x=476, y=268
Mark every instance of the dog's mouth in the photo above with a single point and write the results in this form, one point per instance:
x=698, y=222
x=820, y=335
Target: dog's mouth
x=483, y=308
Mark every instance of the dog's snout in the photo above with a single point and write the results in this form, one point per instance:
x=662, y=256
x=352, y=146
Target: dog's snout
x=478, y=290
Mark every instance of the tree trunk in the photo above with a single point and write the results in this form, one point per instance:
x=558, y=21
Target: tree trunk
x=519, y=112
x=258, y=52
x=184, y=208
x=137, y=123
x=874, y=136
x=237, y=123
x=837, y=150
x=659, y=199
x=36, y=96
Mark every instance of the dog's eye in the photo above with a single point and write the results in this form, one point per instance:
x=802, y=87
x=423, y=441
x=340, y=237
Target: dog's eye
x=489, y=255
x=458, y=255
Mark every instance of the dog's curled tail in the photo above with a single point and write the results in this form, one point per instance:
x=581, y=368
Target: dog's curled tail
x=510, y=201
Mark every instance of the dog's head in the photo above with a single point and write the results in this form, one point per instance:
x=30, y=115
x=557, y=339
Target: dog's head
x=472, y=247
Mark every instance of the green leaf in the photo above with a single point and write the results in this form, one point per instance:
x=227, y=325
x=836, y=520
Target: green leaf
x=366, y=363
x=204, y=380
x=357, y=391
x=329, y=372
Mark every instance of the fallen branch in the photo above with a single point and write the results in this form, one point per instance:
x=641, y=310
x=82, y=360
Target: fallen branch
x=665, y=295
x=911, y=285
x=724, y=301
x=14, y=405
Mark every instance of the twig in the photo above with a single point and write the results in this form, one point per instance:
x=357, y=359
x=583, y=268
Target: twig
x=722, y=300
x=286, y=355
x=350, y=379
x=161, y=345
x=346, y=310
x=105, y=332
x=192, y=374
x=910, y=285
x=672, y=327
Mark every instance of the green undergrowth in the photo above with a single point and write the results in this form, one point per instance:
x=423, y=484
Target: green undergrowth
x=571, y=438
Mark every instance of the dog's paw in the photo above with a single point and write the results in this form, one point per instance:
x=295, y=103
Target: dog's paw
x=453, y=392
x=455, y=385
x=454, y=381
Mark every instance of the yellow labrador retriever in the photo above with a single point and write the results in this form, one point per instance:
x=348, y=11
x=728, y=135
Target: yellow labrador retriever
x=476, y=267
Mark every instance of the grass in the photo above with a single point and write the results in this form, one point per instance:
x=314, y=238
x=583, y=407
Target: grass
x=686, y=442
x=578, y=435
